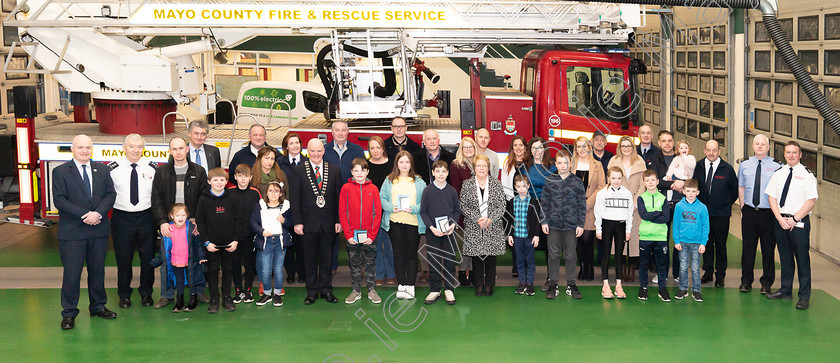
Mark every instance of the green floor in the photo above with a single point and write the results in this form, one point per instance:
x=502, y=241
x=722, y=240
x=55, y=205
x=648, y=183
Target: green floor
x=728, y=326
x=43, y=252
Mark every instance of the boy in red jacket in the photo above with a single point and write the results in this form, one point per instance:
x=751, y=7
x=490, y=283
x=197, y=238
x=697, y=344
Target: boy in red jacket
x=360, y=213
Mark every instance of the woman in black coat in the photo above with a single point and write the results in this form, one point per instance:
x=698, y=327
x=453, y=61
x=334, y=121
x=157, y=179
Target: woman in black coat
x=292, y=146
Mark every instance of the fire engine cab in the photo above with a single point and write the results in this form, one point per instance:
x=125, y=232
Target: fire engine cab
x=370, y=60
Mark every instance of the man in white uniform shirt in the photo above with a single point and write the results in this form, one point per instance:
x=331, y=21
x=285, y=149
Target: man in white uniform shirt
x=792, y=192
x=132, y=225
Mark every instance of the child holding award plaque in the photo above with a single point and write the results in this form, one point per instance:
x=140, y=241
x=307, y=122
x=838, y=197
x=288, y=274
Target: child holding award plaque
x=271, y=223
x=400, y=195
x=360, y=214
x=440, y=208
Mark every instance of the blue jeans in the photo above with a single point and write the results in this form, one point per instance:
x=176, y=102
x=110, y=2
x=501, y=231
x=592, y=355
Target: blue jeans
x=525, y=266
x=271, y=259
x=692, y=251
x=384, y=256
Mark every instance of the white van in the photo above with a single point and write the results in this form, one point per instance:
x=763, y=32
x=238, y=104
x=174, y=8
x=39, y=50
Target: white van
x=301, y=98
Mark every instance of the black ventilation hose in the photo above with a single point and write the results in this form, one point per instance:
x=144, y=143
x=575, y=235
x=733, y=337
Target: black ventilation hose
x=328, y=82
x=802, y=76
x=390, y=74
x=779, y=38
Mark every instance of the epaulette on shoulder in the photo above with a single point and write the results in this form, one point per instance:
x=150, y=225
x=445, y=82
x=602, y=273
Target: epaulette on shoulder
x=780, y=167
x=808, y=170
x=113, y=165
x=153, y=164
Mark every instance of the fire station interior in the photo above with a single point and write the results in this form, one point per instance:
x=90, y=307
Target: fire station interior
x=711, y=74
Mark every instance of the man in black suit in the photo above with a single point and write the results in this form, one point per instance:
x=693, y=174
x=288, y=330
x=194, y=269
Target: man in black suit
x=646, y=149
x=430, y=153
x=83, y=193
x=314, y=198
x=718, y=190
x=208, y=156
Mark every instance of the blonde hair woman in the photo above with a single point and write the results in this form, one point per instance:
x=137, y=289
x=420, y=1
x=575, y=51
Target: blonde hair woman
x=462, y=167
x=633, y=166
x=591, y=173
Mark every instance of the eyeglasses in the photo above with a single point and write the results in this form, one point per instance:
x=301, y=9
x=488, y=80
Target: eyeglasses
x=398, y=126
x=468, y=147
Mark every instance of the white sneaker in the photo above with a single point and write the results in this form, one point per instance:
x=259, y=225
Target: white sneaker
x=400, y=291
x=409, y=292
x=676, y=280
x=432, y=297
x=450, y=297
x=655, y=279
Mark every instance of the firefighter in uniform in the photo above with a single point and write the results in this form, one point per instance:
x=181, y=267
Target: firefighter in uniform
x=792, y=192
x=132, y=225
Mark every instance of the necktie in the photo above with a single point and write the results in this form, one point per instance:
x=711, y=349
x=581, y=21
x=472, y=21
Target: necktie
x=709, y=177
x=198, y=157
x=294, y=161
x=785, y=189
x=757, y=186
x=86, y=180
x=644, y=154
x=135, y=186
x=318, y=177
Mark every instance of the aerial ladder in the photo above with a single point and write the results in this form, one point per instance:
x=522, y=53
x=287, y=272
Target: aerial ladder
x=102, y=47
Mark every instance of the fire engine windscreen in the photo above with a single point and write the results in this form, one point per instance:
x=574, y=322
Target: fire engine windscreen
x=596, y=92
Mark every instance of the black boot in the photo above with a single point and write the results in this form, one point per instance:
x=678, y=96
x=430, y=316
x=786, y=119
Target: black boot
x=179, y=304
x=582, y=273
x=462, y=279
x=471, y=278
x=193, y=302
x=591, y=275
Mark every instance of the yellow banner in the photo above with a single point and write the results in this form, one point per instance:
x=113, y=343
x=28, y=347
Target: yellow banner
x=256, y=15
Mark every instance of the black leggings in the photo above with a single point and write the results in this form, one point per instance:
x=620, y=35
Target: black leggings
x=585, y=245
x=180, y=278
x=484, y=268
x=405, y=241
x=612, y=232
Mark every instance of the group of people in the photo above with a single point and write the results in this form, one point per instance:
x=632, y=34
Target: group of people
x=278, y=215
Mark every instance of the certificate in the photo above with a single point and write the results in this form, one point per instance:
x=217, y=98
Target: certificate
x=442, y=224
x=270, y=222
x=360, y=235
x=403, y=203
